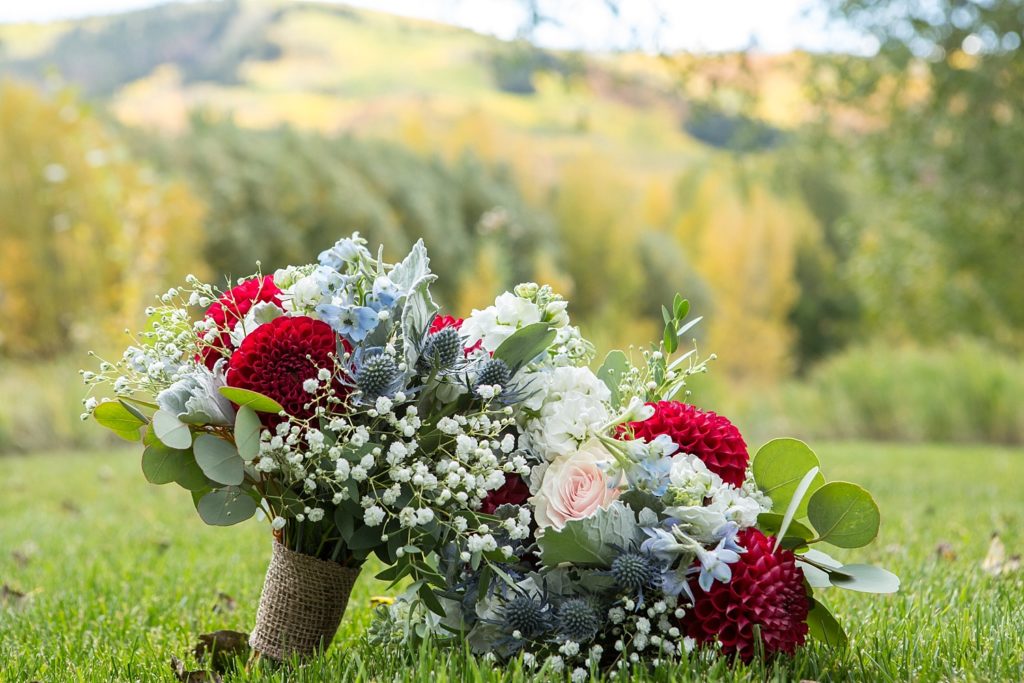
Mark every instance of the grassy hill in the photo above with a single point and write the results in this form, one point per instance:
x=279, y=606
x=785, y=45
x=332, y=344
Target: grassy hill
x=337, y=69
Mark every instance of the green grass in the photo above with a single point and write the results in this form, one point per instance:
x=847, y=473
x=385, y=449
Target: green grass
x=121, y=575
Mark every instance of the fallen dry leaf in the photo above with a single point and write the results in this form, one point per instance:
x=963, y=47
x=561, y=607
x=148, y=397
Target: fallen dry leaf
x=945, y=551
x=222, y=647
x=996, y=563
x=225, y=603
x=186, y=676
x=10, y=597
x=71, y=507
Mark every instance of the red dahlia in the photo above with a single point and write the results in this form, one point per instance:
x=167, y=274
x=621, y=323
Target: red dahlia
x=710, y=437
x=766, y=589
x=513, y=492
x=232, y=306
x=277, y=357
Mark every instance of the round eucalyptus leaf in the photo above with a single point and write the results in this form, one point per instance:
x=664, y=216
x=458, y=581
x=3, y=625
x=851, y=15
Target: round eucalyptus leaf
x=844, y=515
x=219, y=460
x=161, y=464
x=171, y=431
x=225, y=507
x=117, y=418
x=252, y=399
x=779, y=466
x=865, y=578
x=247, y=433
x=823, y=626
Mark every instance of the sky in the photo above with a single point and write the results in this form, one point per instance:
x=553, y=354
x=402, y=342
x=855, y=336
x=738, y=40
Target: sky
x=690, y=25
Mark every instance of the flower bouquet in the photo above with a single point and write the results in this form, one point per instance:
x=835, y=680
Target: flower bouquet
x=334, y=400
x=651, y=532
x=526, y=503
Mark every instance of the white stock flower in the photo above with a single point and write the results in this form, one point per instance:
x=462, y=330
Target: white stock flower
x=496, y=323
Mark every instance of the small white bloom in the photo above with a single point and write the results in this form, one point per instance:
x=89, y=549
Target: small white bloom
x=278, y=523
x=373, y=516
x=310, y=386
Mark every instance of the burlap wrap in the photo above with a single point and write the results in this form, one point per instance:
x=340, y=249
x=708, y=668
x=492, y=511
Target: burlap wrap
x=301, y=606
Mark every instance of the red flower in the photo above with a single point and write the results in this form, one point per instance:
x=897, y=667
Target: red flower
x=766, y=590
x=710, y=437
x=443, y=321
x=513, y=492
x=232, y=306
x=277, y=357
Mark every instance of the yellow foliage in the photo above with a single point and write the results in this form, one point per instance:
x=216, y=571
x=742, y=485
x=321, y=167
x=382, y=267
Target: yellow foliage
x=746, y=239
x=87, y=235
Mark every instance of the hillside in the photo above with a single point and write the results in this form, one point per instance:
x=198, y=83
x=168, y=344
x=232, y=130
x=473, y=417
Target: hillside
x=336, y=69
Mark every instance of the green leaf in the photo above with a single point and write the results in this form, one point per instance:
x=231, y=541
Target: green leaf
x=680, y=306
x=824, y=627
x=771, y=522
x=219, y=460
x=162, y=465
x=366, y=537
x=611, y=373
x=247, y=433
x=865, y=578
x=134, y=411
x=525, y=344
x=116, y=417
x=430, y=600
x=666, y=316
x=670, y=339
x=795, y=502
x=251, y=399
x=225, y=507
x=844, y=515
x=817, y=567
x=591, y=541
x=778, y=468
x=171, y=431
x=345, y=522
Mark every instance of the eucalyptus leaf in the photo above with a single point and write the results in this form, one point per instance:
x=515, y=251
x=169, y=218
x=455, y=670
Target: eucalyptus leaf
x=779, y=466
x=611, y=373
x=823, y=626
x=171, y=431
x=680, y=306
x=117, y=418
x=525, y=344
x=219, y=460
x=771, y=522
x=844, y=515
x=247, y=433
x=865, y=578
x=225, y=507
x=251, y=399
x=161, y=464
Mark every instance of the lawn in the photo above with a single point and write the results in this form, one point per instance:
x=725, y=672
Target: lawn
x=120, y=575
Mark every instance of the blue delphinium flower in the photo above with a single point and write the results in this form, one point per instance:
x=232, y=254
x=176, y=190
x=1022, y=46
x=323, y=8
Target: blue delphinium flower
x=650, y=464
x=714, y=564
x=344, y=251
x=354, y=322
x=384, y=295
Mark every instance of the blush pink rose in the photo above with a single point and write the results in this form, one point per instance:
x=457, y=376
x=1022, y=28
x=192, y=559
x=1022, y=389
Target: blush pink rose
x=574, y=486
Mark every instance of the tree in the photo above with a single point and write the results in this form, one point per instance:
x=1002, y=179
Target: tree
x=87, y=233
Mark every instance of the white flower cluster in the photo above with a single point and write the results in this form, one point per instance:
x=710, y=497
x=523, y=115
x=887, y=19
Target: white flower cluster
x=692, y=485
x=568, y=408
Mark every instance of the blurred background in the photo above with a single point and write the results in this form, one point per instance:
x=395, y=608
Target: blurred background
x=835, y=184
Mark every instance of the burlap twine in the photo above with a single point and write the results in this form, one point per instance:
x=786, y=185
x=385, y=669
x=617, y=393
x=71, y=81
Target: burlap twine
x=301, y=606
